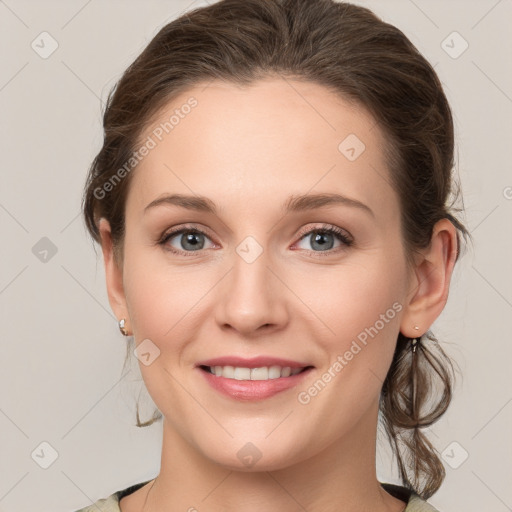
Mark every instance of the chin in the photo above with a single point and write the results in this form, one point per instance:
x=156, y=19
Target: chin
x=252, y=457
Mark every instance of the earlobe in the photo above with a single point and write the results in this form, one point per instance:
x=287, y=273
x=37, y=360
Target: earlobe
x=430, y=284
x=113, y=274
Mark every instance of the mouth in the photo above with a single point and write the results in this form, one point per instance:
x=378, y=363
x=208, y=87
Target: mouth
x=258, y=373
x=258, y=378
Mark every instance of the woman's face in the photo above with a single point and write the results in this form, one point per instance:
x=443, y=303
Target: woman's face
x=258, y=280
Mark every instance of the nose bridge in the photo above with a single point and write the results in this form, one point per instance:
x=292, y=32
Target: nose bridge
x=251, y=296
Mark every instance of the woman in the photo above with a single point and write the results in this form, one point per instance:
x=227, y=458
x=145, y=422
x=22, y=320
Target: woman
x=271, y=200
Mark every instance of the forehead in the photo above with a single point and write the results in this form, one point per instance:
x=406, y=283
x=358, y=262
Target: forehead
x=246, y=145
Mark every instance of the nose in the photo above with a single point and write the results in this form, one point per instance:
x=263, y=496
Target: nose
x=252, y=298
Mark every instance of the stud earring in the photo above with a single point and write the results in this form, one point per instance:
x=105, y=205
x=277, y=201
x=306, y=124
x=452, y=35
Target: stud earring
x=415, y=341
x=122, y=324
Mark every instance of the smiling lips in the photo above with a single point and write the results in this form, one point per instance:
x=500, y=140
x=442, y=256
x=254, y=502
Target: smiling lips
x=252, y=379
x=263, y=373
x=256, y=368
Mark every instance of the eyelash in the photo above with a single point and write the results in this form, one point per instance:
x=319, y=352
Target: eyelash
x=324, y=229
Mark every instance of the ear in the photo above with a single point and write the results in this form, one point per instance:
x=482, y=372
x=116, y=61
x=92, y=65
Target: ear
x=113, y=274
x=430, y=283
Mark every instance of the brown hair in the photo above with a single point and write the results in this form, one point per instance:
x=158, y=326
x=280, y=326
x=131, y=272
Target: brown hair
x=350, y=51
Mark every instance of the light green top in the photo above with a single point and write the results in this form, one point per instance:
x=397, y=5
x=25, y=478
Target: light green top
x=414, y=502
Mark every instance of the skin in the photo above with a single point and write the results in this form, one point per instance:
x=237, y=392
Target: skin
x=248, y=149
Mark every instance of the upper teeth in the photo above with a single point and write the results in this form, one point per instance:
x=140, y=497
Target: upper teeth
x=264, y=373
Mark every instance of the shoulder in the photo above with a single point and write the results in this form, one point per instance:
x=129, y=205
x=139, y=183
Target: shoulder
x=414, y=502
x=111, y=503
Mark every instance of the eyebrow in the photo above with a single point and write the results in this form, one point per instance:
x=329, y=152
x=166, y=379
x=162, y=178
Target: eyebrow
x=296, y=203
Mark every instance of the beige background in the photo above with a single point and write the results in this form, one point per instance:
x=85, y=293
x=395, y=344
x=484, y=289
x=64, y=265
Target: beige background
x=62, y=353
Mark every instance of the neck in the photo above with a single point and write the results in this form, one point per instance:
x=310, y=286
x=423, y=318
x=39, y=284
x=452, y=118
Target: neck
x=342, y=477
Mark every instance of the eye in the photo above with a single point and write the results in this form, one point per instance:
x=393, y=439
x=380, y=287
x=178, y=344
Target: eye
x=194, y=241
x=322, y=238
x=319, y=237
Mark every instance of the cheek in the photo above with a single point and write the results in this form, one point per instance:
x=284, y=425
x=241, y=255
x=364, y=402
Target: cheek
x=160, y=297
x=152, y=305
x=161, y=307
x=361, y=309
x=348, y=298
